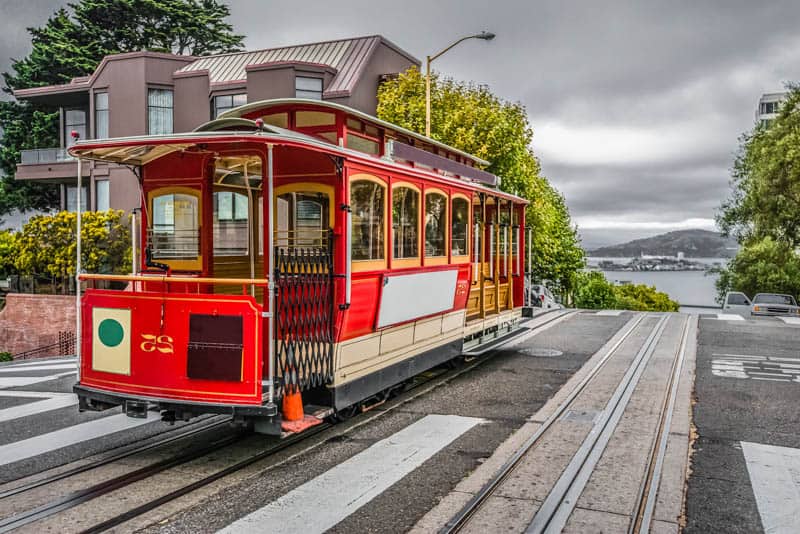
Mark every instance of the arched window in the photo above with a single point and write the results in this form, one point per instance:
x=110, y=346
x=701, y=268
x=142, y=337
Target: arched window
x=435, y=225
x=405, y=222
x=459, y=231
x=367, y=199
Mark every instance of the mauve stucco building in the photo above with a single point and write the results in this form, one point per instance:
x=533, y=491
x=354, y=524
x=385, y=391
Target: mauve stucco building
x=144, y=93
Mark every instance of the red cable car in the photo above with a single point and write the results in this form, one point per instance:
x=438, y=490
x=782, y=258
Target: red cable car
x=379, y=253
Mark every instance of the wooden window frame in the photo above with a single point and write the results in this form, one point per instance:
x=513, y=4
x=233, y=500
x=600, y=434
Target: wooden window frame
x=180, y=265
x=444, y=259
x=462, y=258
x=380, y=264
x=402, y=263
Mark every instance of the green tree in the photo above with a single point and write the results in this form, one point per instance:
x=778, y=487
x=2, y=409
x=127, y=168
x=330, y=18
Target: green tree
x=72, y=43
x=762, y=266
x=594, y=292
x=761, y=212
x=8, y=252
x=469, y=117
x=47, y=244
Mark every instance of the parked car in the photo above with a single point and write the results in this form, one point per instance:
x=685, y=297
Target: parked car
x=774, y=304
x=737, y=302
x=543, y=298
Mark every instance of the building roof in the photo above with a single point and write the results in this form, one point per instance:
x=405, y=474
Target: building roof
x=347, y=58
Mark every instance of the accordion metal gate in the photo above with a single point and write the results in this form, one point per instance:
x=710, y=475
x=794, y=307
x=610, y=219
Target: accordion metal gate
x=304, y=317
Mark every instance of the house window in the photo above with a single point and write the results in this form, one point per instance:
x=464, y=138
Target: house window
x=101, y=115
x=72, y=198
x=305, y=87
x=231, y=230
x=405, y=222
x=459, y=232
x=74, y=120
x=769, y=107
x=223, y=103
x=435, y=225
x=101, y=197
x=159, y=111
x=367, y=205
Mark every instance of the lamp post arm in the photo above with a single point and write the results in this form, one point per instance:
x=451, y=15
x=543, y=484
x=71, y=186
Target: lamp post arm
x=431, y=58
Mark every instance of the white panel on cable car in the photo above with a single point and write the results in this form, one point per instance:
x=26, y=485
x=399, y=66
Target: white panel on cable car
x=408, y=296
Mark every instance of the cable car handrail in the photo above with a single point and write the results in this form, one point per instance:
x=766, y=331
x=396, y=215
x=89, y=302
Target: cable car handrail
x=174, y=279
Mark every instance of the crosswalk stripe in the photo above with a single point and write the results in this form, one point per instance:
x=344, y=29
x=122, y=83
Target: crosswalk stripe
x=790, y=320
x=775, y=485
x=729, y=317
x=55, y=402
x=28, y=369
x=28, y=448
x=17, y=381
x=323, y=502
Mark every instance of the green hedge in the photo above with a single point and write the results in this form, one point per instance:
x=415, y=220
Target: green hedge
x=594, y=292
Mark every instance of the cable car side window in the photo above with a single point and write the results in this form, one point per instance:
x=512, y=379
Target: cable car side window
x=367, y=202
x=230, y=224
x=174, y=233
x=459, y=231
x=435, y=225
x=405, y=226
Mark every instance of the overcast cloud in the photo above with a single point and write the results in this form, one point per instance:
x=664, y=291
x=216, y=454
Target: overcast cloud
x=636, y=106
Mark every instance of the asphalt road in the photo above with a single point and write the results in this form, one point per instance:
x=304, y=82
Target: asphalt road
x=747, y=391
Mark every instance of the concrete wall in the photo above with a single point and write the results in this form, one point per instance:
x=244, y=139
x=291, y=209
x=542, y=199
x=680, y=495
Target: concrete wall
x=192, y=102
x=31, y=321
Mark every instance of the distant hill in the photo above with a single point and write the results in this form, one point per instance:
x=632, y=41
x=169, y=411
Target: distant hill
x=693, y=243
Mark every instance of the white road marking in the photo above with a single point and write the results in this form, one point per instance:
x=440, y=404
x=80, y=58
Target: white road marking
x=790, y=320
x=775, y=477
x=17, y=381
x=729, y=317
x=323, y=502
x=743, y=356
x=28, y=369
x=28, y=448
x=610, y=312
x=755, y=367
x=49, y=402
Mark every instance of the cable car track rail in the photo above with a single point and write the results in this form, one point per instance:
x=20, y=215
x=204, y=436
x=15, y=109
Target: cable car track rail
x=458, y=521
x=103, y=488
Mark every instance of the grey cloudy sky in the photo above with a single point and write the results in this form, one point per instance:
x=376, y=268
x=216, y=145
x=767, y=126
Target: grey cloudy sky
x=636, y=106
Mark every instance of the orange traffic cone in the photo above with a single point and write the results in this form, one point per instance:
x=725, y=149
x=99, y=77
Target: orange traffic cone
x=292, y=406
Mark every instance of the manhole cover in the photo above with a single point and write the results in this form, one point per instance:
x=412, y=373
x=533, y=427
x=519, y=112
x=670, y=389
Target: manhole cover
x=580, y=416
x=543, y=353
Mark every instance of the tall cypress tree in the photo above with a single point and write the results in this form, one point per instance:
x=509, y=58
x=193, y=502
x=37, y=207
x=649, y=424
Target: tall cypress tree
x=72, y=43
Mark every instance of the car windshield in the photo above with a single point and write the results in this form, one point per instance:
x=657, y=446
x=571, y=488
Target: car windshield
x=771, y=298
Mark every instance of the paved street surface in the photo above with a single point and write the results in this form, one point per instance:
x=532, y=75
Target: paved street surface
x=594, y=382
x=746, y=464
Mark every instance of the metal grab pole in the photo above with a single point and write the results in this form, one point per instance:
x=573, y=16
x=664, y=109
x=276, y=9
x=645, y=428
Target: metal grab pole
x=133, y=242
x=348, y=276
x=250, y=232
x=271, y=284
x=476, y=240
x=518, y=265
x=78, y=330
x=491, y=251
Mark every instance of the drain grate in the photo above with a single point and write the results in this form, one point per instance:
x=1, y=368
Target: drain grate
x=543, y=353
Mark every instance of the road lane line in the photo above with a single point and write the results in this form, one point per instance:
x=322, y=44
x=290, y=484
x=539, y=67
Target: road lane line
x=790, y=320
x=37, y=407
x=776, y=486
x=613, y=313
x=323, y=502
x=44, y=443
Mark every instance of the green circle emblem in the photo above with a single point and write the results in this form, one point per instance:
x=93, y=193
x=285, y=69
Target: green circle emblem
x=110, y=332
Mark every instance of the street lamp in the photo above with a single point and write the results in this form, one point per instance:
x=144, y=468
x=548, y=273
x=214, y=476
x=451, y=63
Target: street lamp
x=486, y=36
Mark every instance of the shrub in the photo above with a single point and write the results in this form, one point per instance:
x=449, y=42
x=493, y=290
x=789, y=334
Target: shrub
x=5, y=357
x=594, y=292
x=9, y=250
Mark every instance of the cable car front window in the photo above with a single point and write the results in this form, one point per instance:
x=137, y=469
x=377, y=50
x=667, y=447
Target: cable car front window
x=175, y=231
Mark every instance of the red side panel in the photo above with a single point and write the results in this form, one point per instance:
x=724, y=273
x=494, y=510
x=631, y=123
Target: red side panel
x=152, y=330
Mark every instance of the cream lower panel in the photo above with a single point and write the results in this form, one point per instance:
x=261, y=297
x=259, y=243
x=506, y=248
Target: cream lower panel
x=453, y=321
x=343, y=375
x=477, y=325
x=427, y=328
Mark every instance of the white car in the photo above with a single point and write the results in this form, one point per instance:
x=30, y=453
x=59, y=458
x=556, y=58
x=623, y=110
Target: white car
x=543, y=298
x=737, y=302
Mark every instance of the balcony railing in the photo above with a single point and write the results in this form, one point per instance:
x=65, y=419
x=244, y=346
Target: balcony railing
x=45, y=155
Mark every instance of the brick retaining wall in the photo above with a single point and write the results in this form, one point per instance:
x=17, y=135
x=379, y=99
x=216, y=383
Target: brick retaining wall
x=31, y=321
